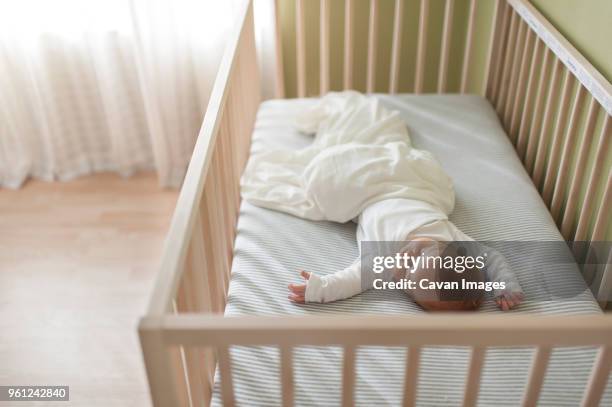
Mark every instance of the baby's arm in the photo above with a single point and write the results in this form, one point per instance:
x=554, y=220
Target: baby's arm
x=498, y=270
x=332, y=287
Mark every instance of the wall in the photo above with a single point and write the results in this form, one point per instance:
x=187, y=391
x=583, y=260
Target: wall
x=587, y=24
x=409, y=44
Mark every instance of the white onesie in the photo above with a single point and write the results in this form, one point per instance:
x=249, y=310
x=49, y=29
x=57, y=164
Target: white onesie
x=401, y=220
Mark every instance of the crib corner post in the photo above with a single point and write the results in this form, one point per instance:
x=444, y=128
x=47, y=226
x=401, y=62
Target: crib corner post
x=157, y=363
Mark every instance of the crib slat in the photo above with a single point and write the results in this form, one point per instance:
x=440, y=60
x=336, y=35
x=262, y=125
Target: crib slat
x=605, y=208
x=286, y=364
x=301, y=47
x=583, y=154
x=536, y=376
x=226, y=178
x=372, y=39
x=602, y=149
x=397, y=46
x=280, y=73
x=235, y=110
x=605, y=286
x=522, y=85
x=250, y=76
x=566, y=155
x=348, y=377
x=551, y=101
x=421, y=48
x=197, y=268
x=348, y=44
x=530, y=97
x=469, y=39
x=179, y=368
x=500, y=53
x=199, y=388
x=411, y=376
x=192, y=297
x=219, y=221
x=553, y=159
x=183, y=379
x=514, y=72
x=202, y=364
x=507, y=63
x=492, y=50
x=324, y=47
x=199, y=368
x=445, y=48
x=233, y=163
x=211, y=248
x=227, y=384
x=472, y=384
x=599, y=377
x=532, y=137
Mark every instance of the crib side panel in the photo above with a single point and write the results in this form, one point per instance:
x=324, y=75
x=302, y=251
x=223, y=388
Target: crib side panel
x=393, y=46
x=556, y=107
x=197, y=258
x=479, y=332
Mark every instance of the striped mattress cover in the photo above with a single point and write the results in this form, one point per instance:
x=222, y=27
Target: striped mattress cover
x=495, y=200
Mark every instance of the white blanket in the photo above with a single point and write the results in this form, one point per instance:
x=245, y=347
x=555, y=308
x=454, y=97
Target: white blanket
x=361, y=154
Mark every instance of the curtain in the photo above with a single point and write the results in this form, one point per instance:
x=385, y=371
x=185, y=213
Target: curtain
x=105, y=85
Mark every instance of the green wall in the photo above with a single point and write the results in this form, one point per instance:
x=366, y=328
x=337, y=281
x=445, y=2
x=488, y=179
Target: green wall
x=587, y=24
x=385, y=32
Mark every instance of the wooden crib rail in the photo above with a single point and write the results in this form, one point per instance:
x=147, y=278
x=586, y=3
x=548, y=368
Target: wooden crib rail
x=555, y=107
x=414, y=332
x=204, y=220
x=197, y=257
x=432, y=329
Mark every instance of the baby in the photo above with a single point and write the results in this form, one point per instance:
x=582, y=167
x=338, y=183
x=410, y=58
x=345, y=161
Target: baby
x=424, y=226
x=362, y=166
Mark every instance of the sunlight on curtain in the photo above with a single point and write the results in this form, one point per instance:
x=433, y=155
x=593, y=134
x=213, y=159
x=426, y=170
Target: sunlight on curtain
x=97, y=85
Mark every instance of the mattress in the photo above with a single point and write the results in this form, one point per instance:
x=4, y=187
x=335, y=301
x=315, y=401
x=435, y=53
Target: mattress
x=495, y=201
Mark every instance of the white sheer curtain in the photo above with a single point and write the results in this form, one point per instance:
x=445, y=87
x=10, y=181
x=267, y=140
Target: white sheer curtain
x=97, y=85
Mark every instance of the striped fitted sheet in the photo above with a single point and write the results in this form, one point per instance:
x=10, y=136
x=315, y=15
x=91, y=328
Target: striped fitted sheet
x=495, y=201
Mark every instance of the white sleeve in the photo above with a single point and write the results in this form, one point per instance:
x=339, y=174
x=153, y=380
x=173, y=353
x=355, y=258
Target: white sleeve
x=497, y=268
x=337, y=286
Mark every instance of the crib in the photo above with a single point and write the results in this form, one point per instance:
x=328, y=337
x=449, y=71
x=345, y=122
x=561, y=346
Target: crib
x=554, y=106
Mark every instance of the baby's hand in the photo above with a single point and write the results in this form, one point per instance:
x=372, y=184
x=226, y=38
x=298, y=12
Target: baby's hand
x=297, y=292
x=509, y=300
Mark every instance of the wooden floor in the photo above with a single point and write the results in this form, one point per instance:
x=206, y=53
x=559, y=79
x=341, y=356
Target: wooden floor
x=77, y=261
